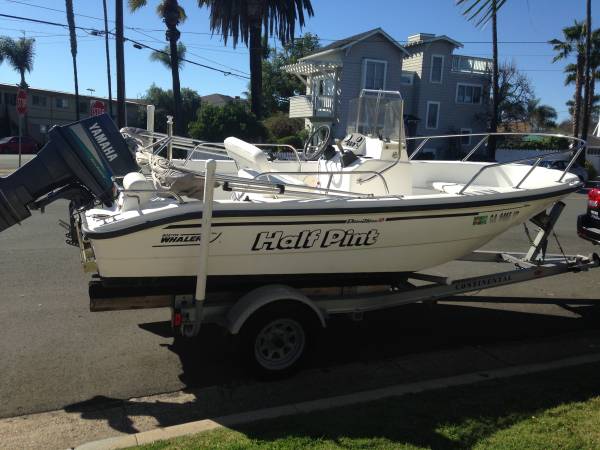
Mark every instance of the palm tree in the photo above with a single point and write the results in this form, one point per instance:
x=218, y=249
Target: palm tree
x=120, y=57
x=245, y=20
x=588, y=72
x=540, y=117
x=573, y=42
x=164, y=56
x=480, y=12
x=110, y=105
x=19, y=53
x=73, y=36
x=172, y=14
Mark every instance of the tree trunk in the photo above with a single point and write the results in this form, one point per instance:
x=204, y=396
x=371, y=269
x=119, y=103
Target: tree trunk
x=256, y=68
x=77, y=111
x=592, y=93
x=120, y=54
x=73, y=39
x=491, y=146
x=577, y=99
x=587, y=79
x=173, y=35
x=110, y=105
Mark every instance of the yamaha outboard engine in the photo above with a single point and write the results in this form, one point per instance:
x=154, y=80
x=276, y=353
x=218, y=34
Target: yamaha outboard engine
x=78, y=163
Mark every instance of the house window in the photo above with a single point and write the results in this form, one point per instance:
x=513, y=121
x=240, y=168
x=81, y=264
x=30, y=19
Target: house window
x=374, y=74
x=406, y=77
x=465, y=140
x=437, y=69
x=470, y=94
x=433, y=115
x=62, y=103
x=38, y=100
x=83, y=107
x=10, y=99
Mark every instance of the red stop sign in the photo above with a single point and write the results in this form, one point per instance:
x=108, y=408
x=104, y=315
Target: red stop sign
x=21, y=102
x=97, y=107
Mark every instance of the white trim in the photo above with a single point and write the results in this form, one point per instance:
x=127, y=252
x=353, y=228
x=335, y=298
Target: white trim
x=431, y=70
x=437, y=119
x=364, y=71
x=409, y=74
x=466, y=131
x=472, y=85
x=362, y=38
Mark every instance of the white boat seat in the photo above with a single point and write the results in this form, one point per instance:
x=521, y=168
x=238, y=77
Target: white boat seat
x=136, y=181
x=247, y=155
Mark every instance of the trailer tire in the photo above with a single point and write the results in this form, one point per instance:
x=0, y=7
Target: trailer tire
x=276, y=339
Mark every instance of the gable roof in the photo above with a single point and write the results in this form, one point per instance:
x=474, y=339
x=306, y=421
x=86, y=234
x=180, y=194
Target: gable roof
x=350, y=41
x=434, y=38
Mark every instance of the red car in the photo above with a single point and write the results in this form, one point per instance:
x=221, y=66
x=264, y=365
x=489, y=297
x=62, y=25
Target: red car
x=588, y=225
x=10, y=145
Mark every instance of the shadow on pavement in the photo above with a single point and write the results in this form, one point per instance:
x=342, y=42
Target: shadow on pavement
x=209, y=366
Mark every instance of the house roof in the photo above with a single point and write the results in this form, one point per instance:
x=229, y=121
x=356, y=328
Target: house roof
x=350, y=41
x=431, y=39
x=216, y=99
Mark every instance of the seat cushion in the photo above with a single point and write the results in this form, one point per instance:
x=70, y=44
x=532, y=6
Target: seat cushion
x=247, y=155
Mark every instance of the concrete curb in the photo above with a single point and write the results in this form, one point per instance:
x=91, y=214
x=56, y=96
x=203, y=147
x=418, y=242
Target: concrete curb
x=200, y=426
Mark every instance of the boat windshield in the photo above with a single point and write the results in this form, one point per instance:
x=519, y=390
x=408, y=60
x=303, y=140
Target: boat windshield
x=376, y=114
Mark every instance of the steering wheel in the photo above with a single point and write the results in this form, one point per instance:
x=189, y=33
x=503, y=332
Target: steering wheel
x=317, y=143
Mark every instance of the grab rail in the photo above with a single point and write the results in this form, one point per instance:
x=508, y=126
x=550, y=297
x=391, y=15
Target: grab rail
x=331, y=174
x=581, y=144
x=539, y=158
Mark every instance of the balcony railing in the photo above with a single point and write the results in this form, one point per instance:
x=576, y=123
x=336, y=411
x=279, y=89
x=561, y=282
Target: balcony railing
x=471, y=64
x=309, y=106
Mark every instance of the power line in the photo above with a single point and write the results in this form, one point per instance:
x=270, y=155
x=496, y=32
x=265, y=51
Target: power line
x=138, y=44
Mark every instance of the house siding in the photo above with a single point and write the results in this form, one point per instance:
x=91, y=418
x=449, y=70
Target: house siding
x=453, y=116
x=352, y=71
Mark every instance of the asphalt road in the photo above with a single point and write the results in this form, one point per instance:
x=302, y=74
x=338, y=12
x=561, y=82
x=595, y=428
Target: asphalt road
x=55, y=353
x=9, y=162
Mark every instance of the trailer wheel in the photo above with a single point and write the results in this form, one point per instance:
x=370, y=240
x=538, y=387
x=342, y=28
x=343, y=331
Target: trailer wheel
x=276, y=339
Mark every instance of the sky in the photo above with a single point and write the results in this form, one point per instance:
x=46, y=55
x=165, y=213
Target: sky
x=524, y=27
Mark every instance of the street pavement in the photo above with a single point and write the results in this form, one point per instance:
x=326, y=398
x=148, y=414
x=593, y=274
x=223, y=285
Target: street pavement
x=11, y=162
x=54, y=353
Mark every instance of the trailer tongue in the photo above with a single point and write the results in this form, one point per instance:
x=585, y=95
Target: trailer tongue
x=78, y=163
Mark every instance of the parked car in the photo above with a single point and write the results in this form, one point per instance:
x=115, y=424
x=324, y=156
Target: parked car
x=560, y=164
x=10, y=145
x=588, y=224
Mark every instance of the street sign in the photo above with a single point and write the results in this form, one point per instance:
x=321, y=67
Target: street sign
x=97, y=107
x=21, y=102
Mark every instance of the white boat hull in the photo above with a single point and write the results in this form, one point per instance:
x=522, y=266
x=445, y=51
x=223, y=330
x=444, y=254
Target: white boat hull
x=327, y=242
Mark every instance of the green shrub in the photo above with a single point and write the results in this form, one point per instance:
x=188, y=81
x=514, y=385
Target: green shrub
x=215, y=123
x=294, y=141
x=281, y=126
x=591, y=170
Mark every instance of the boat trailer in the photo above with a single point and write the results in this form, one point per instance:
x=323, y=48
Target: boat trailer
x=274, y=323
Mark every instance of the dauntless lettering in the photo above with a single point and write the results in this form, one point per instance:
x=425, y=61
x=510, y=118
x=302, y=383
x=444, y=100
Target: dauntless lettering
x=103, y=142
x=276, y=240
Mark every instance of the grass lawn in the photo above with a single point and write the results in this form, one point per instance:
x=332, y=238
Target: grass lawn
x=548, y=410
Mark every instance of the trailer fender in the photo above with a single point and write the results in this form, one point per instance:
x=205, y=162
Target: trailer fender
x=262, y=296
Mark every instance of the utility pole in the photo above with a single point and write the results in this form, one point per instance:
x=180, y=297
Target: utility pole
x=588, y=79
x=110, y=105
x=120, y=64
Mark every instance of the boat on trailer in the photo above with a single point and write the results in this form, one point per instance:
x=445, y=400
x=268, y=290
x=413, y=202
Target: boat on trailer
x=271, y=246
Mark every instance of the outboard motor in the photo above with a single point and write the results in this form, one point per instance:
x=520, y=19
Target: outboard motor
x=78, y=163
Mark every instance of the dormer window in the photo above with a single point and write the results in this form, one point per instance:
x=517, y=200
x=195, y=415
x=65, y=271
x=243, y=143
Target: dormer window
x=437, y=69
x=374, y=74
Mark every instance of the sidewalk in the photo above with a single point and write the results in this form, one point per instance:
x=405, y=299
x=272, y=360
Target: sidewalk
x=109, y=418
